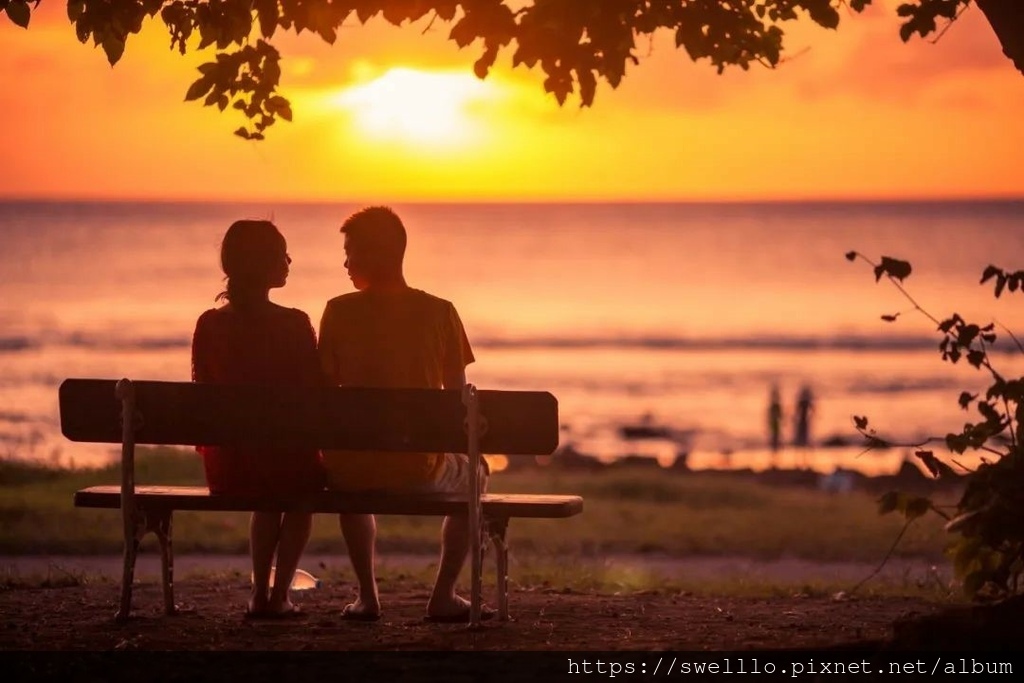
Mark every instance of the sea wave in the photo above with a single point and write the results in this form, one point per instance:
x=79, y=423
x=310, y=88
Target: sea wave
x=854, y=343
x=19, y=344
x=744, y=343
x=9, y=344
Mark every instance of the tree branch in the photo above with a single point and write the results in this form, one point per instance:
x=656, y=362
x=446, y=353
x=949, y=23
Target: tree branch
x=1007, y=20
x=885, y=559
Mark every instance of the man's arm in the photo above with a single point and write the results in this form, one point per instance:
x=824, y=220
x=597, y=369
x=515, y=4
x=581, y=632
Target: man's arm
x=325, y=348
x=454, y=378
x=458, y=353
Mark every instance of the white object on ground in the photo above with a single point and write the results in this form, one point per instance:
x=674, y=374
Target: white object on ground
x=302, y=580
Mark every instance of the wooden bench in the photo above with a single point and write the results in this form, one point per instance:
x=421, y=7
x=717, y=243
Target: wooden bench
x=346, y=418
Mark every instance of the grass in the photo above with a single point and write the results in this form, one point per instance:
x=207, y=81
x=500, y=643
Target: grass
x=695, y=514
x=54, y=577
x=563, y=577
x=624, y=512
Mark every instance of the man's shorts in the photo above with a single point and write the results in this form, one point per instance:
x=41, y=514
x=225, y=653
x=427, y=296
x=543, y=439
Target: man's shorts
x=454, y=475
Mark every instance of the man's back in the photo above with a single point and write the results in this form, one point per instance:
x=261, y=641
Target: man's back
x=402, y=338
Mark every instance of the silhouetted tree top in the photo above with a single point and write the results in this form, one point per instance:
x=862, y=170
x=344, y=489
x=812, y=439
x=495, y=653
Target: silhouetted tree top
x=575, y=42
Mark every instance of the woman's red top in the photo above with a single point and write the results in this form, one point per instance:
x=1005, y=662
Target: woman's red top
x=269, y=346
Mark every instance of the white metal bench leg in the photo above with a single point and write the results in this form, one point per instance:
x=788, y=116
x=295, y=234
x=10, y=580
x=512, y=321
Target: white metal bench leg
x=497, y=528
x=125, y=392
x=161, y=526
x=472, y=402
x=131, y=551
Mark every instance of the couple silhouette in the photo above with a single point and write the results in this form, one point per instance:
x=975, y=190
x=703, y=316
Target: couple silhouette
x=385, y=334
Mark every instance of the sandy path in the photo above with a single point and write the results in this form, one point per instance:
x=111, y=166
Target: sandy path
x=697, y=569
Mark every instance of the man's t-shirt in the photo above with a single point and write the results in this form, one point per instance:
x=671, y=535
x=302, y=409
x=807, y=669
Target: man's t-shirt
x=391, y=339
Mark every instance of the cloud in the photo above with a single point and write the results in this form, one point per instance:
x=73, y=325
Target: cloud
x=864, y=59
x=879, y=66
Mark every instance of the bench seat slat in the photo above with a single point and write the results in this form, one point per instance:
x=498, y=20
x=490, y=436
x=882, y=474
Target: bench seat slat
x=199, y=498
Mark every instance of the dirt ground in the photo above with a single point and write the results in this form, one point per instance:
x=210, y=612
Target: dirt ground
x=81, y=618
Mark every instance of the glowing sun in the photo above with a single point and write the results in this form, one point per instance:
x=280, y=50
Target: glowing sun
x=415, y=106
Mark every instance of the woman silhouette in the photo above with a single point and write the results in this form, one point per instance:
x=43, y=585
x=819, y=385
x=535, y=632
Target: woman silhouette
x=250, y=340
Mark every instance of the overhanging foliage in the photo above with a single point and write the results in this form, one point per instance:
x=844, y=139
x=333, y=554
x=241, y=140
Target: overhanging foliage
x=575, y=42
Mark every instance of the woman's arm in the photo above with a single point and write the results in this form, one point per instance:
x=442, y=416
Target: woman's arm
x=201, y=352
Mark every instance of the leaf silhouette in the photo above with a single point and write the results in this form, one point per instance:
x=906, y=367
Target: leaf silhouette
x=198, y=89
x=893, y=268
x=19, y=12
x=989, y=273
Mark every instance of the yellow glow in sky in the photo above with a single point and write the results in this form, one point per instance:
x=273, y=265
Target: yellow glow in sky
x=417, y=107
x=392, y=114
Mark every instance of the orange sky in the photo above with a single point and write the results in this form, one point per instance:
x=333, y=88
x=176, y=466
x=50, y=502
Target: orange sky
x=856, y=114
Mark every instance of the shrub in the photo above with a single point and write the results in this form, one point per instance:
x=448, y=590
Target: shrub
x=988, y=520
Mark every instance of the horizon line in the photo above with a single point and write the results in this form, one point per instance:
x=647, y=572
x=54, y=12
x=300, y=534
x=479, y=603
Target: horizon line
x=620, y=201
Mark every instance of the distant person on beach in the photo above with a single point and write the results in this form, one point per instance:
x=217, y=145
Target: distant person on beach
x=774, y=419
x=387, y=334
x=802, y=418
x=250, y=340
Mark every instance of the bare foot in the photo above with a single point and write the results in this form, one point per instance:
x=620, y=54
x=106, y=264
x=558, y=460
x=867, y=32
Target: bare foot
x=450, y=607
x=361, y=611
x=257, y=602
x=284, y=609
x=454, y=611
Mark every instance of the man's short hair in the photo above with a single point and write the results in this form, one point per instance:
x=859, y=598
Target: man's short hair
x=377, y=230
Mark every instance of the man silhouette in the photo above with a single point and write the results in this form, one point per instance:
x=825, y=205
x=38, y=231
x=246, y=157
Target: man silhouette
x=387, y=334
x=774, y=419
x=802, y=418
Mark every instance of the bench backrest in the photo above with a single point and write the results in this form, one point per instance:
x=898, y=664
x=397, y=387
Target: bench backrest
x=347, y=418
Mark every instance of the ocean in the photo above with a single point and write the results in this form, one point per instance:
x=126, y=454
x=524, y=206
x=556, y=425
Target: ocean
x=678, y=317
